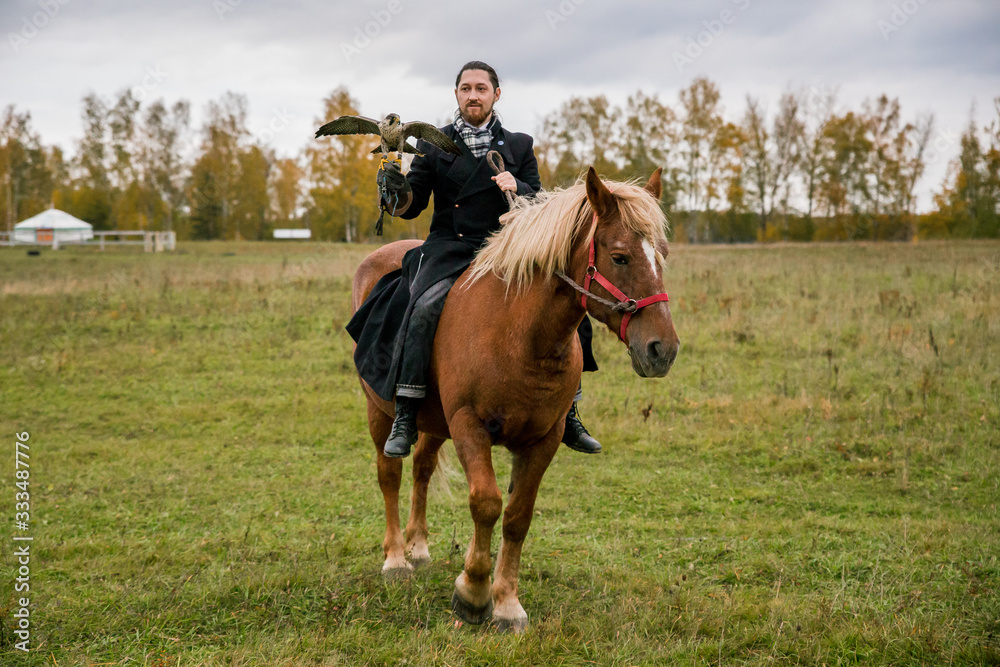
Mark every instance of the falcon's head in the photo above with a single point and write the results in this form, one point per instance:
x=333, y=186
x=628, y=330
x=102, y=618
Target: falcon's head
x=392, y=119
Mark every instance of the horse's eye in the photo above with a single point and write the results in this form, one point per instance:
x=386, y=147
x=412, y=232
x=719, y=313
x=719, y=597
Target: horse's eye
x=620, y=260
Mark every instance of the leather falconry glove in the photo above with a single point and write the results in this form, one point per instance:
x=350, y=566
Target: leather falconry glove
x=393, y=189
x=392, y=183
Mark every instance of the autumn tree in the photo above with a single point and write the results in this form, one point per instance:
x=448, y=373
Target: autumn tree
x=913, y=162
x=286, y=188
x=991, y=176
x=582, y=132
x=727, y=182
x=818, y=109
x=92, y=199
x=758, y=157
x=649, y=141
x=967, y=206
x=216, y=171
x=165, y=133
x=26, y=182
x=62, y=182
x=121, y=119
x=773, y=155
x=701, y=120
x=845, y=184
x=725, y=167
x=343, y=199
x=250, y=204
x=889, y=142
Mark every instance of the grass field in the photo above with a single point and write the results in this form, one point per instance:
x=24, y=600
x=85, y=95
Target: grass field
x=816, y=482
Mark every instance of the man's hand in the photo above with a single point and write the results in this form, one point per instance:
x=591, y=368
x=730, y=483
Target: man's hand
x=506, y=181
x=395, y=181
x=396, y=195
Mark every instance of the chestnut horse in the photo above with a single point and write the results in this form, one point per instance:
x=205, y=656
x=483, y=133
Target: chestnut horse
x=506, y=363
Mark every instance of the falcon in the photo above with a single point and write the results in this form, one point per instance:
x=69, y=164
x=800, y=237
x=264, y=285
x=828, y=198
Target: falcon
x=392, y=132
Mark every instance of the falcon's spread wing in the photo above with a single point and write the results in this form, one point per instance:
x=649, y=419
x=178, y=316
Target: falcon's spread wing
x=350, y=125
x=431, y=135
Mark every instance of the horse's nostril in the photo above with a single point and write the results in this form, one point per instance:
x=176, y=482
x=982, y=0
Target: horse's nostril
x=654, y=350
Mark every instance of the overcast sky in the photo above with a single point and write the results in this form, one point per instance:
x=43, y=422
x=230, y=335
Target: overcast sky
x=934, y=55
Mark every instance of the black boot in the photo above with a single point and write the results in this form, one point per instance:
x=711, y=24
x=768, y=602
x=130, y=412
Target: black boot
x=576, y=437
x=404, y=428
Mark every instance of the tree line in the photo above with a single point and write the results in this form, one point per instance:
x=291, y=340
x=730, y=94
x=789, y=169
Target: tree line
x=800, y=171
x=146, y=168
x=803, y=170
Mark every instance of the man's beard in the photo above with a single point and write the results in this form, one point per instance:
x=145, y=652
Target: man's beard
x=476, y=115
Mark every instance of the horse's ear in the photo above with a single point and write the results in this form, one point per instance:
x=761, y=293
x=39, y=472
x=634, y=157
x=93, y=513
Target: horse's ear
x=653, y=186
x=601, y=199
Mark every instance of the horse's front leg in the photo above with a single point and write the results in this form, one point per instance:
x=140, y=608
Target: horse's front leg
x=530, y=464
x=473, y=601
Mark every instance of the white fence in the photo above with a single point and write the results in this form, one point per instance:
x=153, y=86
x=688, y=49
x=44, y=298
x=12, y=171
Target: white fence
x=150, y=241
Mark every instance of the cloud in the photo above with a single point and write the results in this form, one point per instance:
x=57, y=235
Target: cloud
x=287, y=58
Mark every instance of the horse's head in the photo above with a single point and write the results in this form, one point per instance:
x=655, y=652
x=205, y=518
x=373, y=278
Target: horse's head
x=627, y=252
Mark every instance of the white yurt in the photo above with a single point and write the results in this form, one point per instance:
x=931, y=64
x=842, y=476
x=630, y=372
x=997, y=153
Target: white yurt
x=41, y=229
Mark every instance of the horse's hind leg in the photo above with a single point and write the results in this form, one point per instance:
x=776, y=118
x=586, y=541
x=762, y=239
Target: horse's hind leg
x=425, y=460
x=390, y=473
x=530, y=464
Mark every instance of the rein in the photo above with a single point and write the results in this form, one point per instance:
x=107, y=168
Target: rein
x=624, y=304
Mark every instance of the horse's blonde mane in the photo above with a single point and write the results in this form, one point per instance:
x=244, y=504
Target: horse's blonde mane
x=538, y=233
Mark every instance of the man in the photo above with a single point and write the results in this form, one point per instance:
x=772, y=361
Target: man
x=468, y=202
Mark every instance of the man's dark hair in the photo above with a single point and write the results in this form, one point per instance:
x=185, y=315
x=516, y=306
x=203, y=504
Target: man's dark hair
x=479, y=64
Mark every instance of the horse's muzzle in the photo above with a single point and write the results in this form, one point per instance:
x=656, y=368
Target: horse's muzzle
x=653, y=359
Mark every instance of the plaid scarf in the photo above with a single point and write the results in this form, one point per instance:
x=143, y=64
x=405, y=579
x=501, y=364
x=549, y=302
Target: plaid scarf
x=478, y=140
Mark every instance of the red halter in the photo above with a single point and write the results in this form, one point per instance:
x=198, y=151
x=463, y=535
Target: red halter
x=593, y=273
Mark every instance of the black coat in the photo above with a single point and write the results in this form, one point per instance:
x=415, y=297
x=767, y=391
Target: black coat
x=467, y=202
x=467, y=209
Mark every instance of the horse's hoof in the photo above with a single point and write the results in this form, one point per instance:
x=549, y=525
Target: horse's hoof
x=420, y=561
x=509, y=616
x=396, y=572
x=514, y=625
x=419, y=555
x=468, y=613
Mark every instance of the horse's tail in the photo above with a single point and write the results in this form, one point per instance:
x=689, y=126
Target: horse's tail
x=448, y=477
